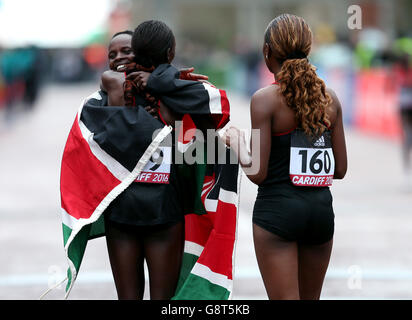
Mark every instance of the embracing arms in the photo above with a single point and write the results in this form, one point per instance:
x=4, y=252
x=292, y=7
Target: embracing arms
x=178, y=96
x=112, y=83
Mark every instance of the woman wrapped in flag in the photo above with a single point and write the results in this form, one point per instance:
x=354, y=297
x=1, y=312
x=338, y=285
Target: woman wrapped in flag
x=113, y=184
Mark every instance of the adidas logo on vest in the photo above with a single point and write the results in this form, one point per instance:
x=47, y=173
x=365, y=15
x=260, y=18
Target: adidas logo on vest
x=320, y=142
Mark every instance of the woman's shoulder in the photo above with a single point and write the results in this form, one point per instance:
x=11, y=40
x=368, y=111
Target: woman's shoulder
x=266, y=98
x=334, y=108
x=268, y=92
x=332, y=94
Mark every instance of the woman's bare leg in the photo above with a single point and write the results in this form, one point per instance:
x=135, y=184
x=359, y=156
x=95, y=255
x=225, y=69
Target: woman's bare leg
x=278, y=264
x=164, y=251
x=126, y=259
x=313, y=264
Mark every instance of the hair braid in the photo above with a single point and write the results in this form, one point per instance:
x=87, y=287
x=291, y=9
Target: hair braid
x=305, y=93
x=290, y=39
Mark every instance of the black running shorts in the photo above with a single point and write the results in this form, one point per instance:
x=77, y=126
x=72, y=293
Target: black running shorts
x=301, y=214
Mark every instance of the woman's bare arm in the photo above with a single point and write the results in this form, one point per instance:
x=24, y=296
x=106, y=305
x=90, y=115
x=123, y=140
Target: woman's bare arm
x=261, y=119
x=112, y=83
x=338, y=139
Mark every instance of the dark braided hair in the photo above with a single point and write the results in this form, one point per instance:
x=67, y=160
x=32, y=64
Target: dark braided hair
x=130, y=90
x=290, y=39
x=152, y=42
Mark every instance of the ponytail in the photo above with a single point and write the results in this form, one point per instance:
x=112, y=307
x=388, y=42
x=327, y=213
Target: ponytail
x=305, y=93
x=290, y=39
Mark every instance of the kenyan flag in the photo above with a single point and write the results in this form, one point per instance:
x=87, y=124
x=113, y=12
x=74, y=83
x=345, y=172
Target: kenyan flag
x=94, y=171
x=211, y=206
x=106, y=151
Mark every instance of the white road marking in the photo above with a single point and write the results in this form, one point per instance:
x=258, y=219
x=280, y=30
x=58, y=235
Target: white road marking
x=15, y=280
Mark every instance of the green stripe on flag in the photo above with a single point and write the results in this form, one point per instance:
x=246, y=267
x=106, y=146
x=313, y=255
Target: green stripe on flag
x=188, y=262
x=193, y=177
x=197, y=288
x=66, y=233
x=76, y=250
x=97, y=229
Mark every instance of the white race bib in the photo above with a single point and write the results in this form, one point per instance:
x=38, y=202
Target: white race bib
x=312, y=163
x=157, y=169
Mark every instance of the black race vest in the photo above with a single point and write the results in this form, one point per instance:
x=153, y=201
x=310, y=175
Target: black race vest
x=312, y=163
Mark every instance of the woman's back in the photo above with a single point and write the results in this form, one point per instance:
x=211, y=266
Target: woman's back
x=269, y=103
x=282, y=116
x=301, y=149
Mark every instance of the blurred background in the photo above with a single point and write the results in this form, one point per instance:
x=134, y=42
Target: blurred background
x=52, y=54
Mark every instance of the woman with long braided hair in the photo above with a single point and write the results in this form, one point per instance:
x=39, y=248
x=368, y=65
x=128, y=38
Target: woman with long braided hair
x=302, y=149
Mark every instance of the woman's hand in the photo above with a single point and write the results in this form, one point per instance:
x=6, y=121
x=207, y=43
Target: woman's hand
x=186, y=74
x=236, y=140
x=231, y=136
x=140, y=79
x=153, y=111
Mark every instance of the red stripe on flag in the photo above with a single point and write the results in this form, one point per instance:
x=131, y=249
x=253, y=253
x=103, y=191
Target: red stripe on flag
x=225, y=218
x=224, y=102
x=222, y=262
x=218, y=251
x=84, y=180
x=187, y=130
x=198, y=228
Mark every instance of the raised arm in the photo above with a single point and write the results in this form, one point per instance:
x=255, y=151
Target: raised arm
x=207, y=105
x=112, y=84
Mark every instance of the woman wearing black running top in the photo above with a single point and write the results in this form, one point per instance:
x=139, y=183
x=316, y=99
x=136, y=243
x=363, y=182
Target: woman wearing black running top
x=146, y=221
x=302, y=148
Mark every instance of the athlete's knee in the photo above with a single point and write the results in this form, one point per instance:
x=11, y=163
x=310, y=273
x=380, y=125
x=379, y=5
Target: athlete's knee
x=310, y=291
x=129, y=295
x=285, y=295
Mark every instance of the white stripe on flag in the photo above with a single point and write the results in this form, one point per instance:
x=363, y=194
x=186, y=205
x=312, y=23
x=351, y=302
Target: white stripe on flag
x=228, y=196
x=211, y=205
x=96, y=95
x=224, y=196
x=108, y=161
x=193, y=248
x=113, y=194
x=67, y=219
x=182, y=147
x=215, y=104
x=215, y=278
